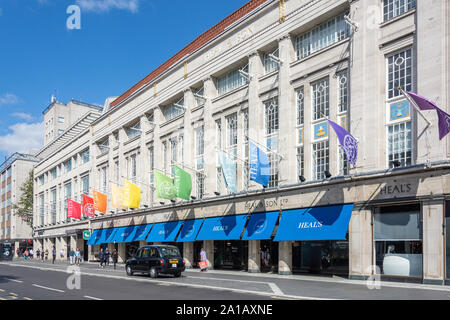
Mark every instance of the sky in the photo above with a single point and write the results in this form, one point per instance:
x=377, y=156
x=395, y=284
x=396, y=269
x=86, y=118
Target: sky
x=44, y=51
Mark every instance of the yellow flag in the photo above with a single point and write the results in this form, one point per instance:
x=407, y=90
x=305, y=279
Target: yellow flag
x=131, y=195
x=116, y=196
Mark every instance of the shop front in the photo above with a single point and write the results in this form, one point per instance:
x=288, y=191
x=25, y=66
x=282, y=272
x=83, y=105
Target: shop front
x=398, y=245
x=447, y=242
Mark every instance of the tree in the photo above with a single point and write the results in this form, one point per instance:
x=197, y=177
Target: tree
x=24, y=208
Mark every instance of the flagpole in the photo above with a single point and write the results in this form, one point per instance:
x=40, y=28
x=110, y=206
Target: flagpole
x=244, y=161
x=187, y=167
x=414, y=105
x=268, y=149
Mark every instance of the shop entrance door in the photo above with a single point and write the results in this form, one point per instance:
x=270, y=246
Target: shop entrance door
x=197, y=249
x=269, y=256
x=231, y=254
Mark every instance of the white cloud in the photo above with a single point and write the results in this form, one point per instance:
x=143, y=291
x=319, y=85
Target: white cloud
x=22, y=115
x=100, y=6
x=9, y=98
x=24, y=137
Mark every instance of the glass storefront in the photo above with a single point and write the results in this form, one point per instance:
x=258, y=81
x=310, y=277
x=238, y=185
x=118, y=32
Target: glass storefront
x=329, y=257
x=269, y=256
x=231, y=254
x=398, y=240
x=447, y=239
x=130, y=249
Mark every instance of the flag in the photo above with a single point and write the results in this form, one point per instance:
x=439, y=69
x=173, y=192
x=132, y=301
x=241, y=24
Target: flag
x=100, y=201
x=259, y=165
x=182, y=183
x=164, y=186
x=229, y=172
x=444, y=123
x=422, y=102
x=73, y=209
x=88, y=206
x=116, y=196
x=131, y=195
x=347, y=141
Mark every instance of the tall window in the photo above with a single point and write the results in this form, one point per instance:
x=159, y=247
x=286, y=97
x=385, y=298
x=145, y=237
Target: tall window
x=232, y=133
x=400, y=144
x=132, y=168
x=67, y=194
x=173, y=152
x=324, y=35
x=321, y=100
x=321, y=161
x=246, y=165
x=85, y=185
x=270, y=64
x=231, y=81
x=343, y=90
x=271, y=136
x=199, y=147
x=68, y=165
x=134, y=130
x=173, y=110
x=53, y=206
x=300, y=95
x=399, y=72
x=394, y=8
x=41, y=209
x=343, y=163
x=219, y=147
x=200, y=183
x=165, y=148
x=151, y=152
x=103, y=179
x=85, y=156
x=300, y=163
x=200, y=96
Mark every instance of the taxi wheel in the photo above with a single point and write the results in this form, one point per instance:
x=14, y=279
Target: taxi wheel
x=129, y=271
x=153, y=272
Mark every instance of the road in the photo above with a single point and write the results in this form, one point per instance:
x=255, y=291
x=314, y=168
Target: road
x=25, y=280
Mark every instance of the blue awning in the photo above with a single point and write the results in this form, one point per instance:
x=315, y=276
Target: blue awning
x=142, y=232
x=261, y=226
x=125, y=234
x=190, y=230
x=164, y=232
x=94, y=237
x=222, y=228
x=112, y=236
x=320, y=223
x=105, y=235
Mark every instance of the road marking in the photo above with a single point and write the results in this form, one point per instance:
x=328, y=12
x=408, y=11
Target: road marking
x=1, y=290
x=13, y=294
x=3, y=299
x=47, y=288
x=18, y=281
x=275, y=289
x=26, y=298
x=164, y=284
x=93, y=298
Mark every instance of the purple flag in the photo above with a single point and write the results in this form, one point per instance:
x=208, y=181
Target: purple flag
x=347, y=141
x=444, y=123
x=422, y=102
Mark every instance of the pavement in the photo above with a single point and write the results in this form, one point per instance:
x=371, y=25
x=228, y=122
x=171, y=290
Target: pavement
x=234, y=283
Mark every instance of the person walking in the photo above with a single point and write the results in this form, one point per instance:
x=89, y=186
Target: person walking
x=54, y=255
x=71, y=256
x=46, y=254
x=77, y=257
x=203, y=262
x=26, y=254
x=18, y=253
x=101, y=257
x=31, y=252
x=38, y=254
x=42, y=254
x=106, y=256
x=62, y=253
x=114, y=257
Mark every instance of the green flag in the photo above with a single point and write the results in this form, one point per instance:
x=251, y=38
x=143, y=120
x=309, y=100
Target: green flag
x=164, y=186
x=182, y=182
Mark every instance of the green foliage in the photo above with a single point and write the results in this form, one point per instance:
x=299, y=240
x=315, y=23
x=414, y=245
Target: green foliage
x=24, y=208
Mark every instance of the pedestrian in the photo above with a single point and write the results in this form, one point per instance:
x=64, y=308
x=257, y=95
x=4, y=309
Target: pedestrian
x=62, y=253
x=100, y=257
x=31, y=252
x=46, y=254
x=42, y=254
x=18, y=252
x=106, y=256
x=77, y=257
x=203, y=262
x=71, y=256
x=38, y=254
x=26, y=254
x=54, y=255
x=114, y=257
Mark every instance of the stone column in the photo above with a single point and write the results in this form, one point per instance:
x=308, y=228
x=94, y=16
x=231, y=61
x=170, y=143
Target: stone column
x=208, y=245
x=360, y=244
x=285, y=257
x=91, y=252
x=121, y=252
x=433, y=241
x=16, y=245
x=254, y=260
x=58, y=243
x=188, y=254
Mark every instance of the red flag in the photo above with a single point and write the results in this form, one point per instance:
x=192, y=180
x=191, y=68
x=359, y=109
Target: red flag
x=73, y=209
x=88, y=206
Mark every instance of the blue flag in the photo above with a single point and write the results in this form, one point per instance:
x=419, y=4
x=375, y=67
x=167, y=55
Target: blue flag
x=347, y=141
x=229, y=172
x=259, y=165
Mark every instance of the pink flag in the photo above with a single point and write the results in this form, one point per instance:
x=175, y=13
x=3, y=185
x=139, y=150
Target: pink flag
x=73, y=209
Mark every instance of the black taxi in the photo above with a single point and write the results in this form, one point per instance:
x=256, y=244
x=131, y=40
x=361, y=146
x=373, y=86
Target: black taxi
x=155, y=260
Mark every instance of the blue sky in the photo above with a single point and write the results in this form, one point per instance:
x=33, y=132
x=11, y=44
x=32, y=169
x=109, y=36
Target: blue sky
x=119, y=43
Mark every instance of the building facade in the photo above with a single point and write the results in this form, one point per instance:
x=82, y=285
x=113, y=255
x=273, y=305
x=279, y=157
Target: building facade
x=272, y=73
x=14, y=173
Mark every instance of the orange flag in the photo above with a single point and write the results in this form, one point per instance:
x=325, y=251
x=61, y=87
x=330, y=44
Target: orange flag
x=100, y=200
